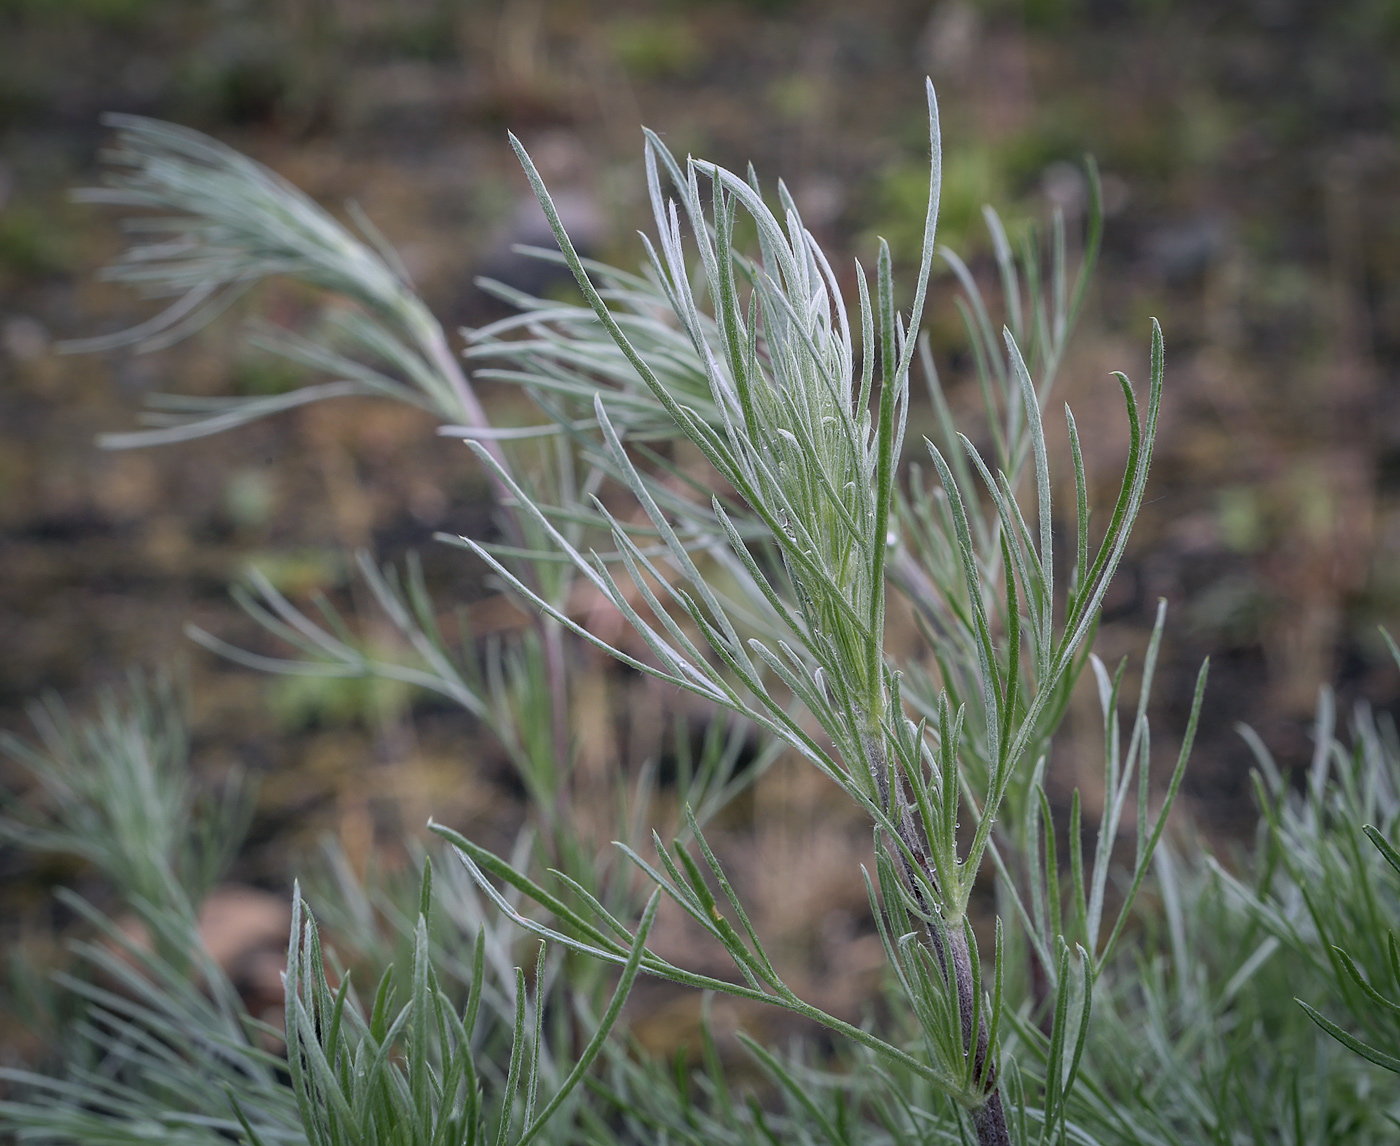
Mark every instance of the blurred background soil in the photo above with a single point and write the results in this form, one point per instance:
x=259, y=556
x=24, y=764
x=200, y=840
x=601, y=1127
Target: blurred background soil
x=1251, y=176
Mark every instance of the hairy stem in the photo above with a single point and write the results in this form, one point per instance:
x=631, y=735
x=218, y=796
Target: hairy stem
x=989, y=1121
x=949, y=947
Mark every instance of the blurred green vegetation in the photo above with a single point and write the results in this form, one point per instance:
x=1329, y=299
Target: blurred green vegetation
x=971, y=178
x=33, y=244
x=115, y=13
x=657, y=47
x=257, y=372
x=300, y=703
x=299, y=572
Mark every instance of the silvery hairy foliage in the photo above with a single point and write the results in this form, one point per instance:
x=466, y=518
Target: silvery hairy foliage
x=759, y=580
x=796, y=426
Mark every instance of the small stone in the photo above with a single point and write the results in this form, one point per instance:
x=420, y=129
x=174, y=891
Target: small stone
x=24, y=339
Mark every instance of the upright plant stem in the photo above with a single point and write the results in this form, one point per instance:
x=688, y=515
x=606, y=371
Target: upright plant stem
x=989, y=1119
x=949, y=948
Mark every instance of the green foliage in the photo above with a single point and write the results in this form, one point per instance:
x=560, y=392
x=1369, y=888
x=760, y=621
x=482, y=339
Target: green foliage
x=655, y=47
x=160, y=1029
x=971, y=179
x=116, y=791
x=375, y=1076
x=119, y=13
x=1334, y=891
x=1214, y=1030
x=760, y=585
x=32, y=243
